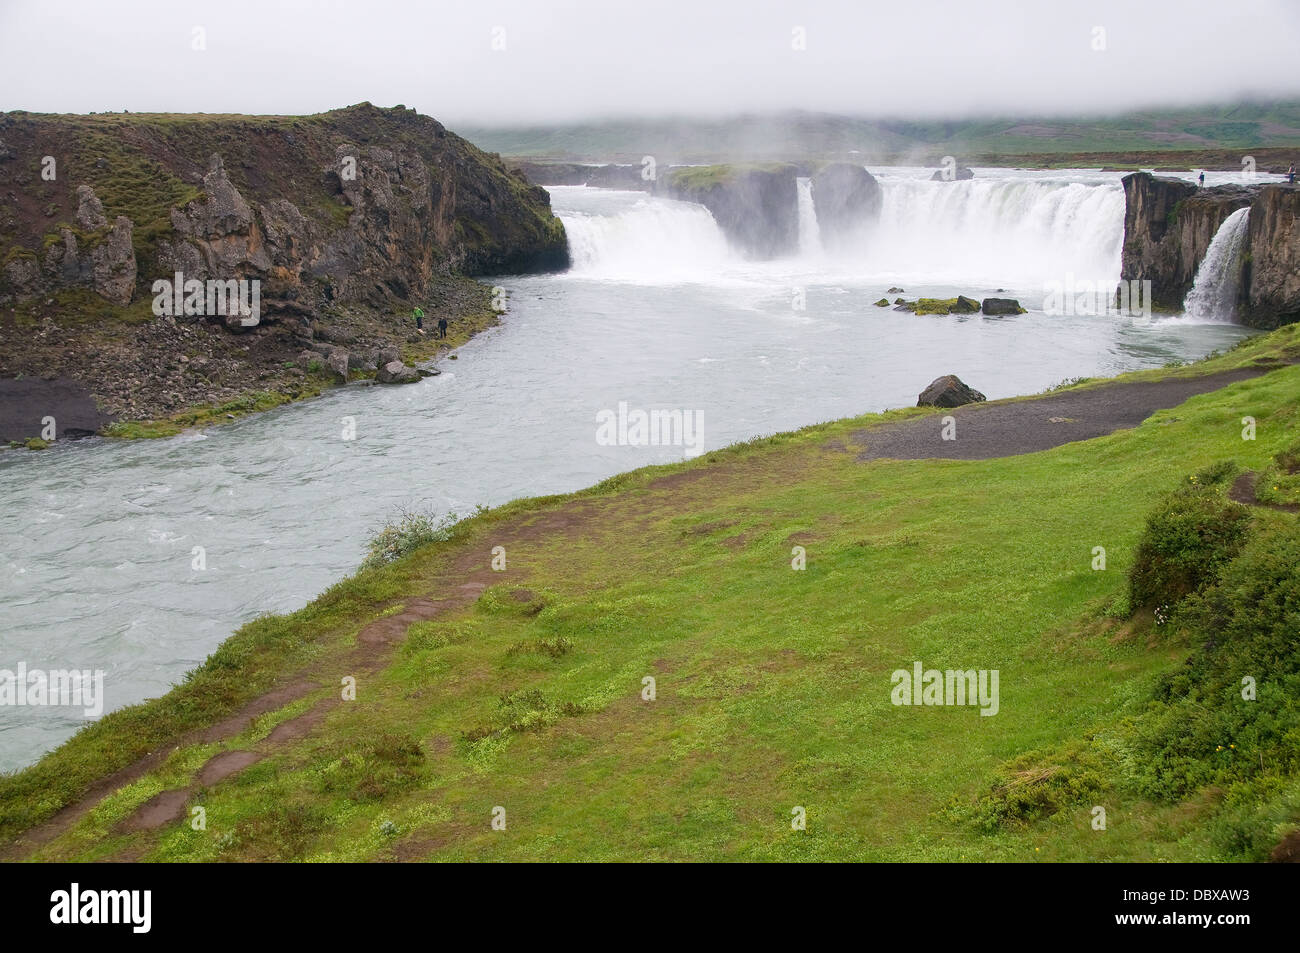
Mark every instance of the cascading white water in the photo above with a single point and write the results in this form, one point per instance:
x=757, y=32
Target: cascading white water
x=1015, y=229
x=1021, y=231
x=1214, y=291
x=656, y=240
x=810, y=240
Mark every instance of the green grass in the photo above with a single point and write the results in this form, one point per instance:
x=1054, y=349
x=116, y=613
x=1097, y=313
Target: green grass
x=772, y=686
x=704, y=177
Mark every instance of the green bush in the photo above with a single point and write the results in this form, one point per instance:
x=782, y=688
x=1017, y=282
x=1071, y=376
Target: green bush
x=390, y=764
x=1032, y=787
x=1201, y=727
x=1279, y=482
x=405, y=533
x=1189, y=537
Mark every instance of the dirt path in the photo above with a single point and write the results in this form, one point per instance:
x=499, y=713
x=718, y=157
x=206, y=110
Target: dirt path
x=1010, y=428
x=373, y=645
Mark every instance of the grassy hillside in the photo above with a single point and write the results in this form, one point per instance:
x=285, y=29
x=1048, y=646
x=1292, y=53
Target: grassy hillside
x=796, y=135
x=523, y=689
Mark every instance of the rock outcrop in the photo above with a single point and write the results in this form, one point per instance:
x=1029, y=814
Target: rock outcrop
x=958, y=305
x=847, y=199
x=1169, y=224
x=395, y=372
x=948, y=391
x=1272, y=271
x=755, y=206
x=609, y=176
x=357, y=206
x=958, y=174
x=1001, y=306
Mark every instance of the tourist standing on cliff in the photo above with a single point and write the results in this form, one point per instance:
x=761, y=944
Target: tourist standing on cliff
x=1202, y=178
x=442, y=327
x=419, y=320
x=1290, y=175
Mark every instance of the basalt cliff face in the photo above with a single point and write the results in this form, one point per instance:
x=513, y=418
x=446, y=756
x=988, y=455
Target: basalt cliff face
x=346, y=220
x=1272, y=278
x=1170, y=223
x=361, y=204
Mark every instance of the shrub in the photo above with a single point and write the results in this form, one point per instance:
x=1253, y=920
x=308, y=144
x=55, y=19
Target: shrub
x=1189, y=537
x=389, y=764
x=1200, y=727
x=404, y=534
x=1279, y=483
x=1032, y=787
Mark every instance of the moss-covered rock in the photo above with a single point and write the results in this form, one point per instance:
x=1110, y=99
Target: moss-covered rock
x=756, y=206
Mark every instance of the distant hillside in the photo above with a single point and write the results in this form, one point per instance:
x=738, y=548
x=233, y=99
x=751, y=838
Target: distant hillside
x=802, y=134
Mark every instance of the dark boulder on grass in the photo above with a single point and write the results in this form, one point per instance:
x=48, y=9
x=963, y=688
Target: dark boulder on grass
x=948, y=391
x=1001, y=306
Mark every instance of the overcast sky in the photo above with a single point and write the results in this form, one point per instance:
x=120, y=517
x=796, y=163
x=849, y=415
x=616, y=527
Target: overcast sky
x=571, y=59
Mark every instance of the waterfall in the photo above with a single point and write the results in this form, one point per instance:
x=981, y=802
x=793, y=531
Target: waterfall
x=1004, y=230
x=992, y=231
x=810, y=241
x=656, y=239
x=1214, y=291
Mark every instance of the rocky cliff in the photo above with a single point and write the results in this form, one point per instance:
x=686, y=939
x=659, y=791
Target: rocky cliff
x=755, y=206
x=847, y=199
x=1169, y=224
x=1272, y=279
x=356, y=205
x=346, y=220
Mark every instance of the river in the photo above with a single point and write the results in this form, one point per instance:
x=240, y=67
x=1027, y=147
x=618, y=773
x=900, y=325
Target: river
x=98, y=537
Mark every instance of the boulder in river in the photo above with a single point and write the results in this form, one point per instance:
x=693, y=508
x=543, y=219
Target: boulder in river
x=395, y=372
x=961, y=172
x=948, y=391
x=1001, y=306
x=882, y=303
x=958, y=305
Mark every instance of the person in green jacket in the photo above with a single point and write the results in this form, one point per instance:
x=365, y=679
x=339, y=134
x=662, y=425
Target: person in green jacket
x=419, y=320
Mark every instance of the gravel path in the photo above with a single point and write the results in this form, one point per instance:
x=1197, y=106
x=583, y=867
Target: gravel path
x=1009, y=428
